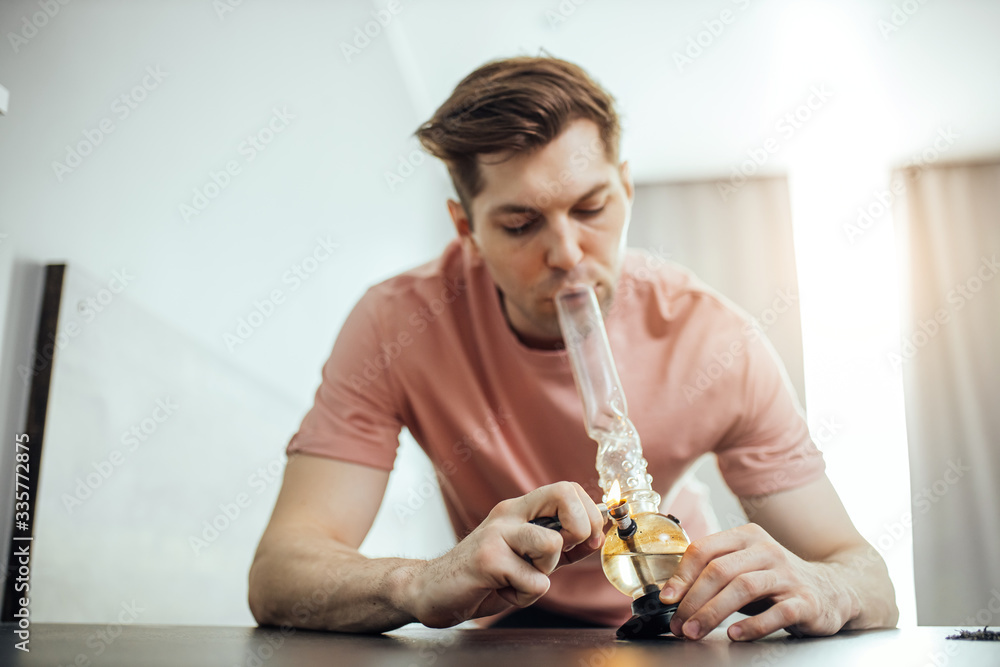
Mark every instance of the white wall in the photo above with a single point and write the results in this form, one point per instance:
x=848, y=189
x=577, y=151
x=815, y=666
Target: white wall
x=322, y=177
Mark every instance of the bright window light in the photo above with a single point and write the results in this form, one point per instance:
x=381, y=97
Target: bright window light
x=838, y=168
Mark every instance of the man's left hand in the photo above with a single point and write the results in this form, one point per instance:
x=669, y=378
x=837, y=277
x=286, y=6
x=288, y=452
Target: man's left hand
x=747, y=570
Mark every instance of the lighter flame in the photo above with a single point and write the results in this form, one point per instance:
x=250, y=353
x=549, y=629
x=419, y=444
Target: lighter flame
x=616, y=493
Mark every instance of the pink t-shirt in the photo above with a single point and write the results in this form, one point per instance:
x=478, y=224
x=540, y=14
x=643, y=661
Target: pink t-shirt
x=431, y=350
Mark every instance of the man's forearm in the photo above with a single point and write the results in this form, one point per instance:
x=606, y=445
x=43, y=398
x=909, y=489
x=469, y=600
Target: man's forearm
x=865, y=582
x=315, y=583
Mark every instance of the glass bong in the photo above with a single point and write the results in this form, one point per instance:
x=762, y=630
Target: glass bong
x=643, y=547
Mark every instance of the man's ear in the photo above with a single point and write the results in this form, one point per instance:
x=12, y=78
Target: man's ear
x=461, y=221
x=626, y=175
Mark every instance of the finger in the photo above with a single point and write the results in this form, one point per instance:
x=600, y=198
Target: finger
x=718, y=574
x=519, y=583
x=576, y=512
x=784, y=614
x=581, y=551
x=563, y=501
x=593, y=517
x=743, y=589
x=541, y=546
x=520, y=598
x=701, y=552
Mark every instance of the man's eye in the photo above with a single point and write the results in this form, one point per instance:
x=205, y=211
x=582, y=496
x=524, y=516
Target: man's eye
x=590, y=211
x=522, y=228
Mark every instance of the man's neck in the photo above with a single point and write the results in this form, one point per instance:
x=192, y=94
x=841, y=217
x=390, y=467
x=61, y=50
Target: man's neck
x=526, y=340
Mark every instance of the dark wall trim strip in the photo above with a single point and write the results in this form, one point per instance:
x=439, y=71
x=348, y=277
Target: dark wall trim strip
x=38, y=403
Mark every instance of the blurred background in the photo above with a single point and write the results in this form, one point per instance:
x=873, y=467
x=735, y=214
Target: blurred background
x=223, y=179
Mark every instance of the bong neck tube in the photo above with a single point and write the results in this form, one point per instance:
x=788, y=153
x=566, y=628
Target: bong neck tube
x=605, y=411
x=590, y=355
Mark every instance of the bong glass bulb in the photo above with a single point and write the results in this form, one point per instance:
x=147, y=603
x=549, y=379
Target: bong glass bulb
x=642, y=563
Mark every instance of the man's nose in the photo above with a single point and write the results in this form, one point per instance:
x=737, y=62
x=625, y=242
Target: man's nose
x=563, y=251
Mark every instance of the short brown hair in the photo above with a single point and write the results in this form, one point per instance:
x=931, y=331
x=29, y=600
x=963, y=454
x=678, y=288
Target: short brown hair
x=513, y=106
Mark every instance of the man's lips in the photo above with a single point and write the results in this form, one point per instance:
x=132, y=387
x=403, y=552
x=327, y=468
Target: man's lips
x=596, y=287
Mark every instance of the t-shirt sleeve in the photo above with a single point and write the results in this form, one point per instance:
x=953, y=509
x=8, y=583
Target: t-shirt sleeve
x=354, y=416
x=769, y=448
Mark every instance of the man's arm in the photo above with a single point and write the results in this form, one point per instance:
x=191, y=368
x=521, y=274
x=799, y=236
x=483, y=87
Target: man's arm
x=802, y=565
x=308, y=573
x=307, y=558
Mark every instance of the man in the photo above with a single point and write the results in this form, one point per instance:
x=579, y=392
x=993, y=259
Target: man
x=468, y=356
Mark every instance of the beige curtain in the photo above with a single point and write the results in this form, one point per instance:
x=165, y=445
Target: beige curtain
x=738, y=241
x=948, y=229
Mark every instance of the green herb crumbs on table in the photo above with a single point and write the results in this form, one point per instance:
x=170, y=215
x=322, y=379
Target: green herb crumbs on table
x=977, y=635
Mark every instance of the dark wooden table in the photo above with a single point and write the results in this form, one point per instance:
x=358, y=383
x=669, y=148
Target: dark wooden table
x=139, y=645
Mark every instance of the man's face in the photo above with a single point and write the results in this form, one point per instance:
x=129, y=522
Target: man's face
x=557, y=215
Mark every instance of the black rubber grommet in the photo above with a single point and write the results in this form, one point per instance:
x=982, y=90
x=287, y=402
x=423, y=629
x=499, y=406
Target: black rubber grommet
x=651, y=618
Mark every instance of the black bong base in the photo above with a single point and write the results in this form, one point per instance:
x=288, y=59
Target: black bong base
x=651, y=618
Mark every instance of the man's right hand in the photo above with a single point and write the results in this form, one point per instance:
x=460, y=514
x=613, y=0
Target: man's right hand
x=506, y=561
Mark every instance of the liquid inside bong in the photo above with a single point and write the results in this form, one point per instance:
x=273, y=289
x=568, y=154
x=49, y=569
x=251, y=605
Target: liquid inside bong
x=621, y=570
